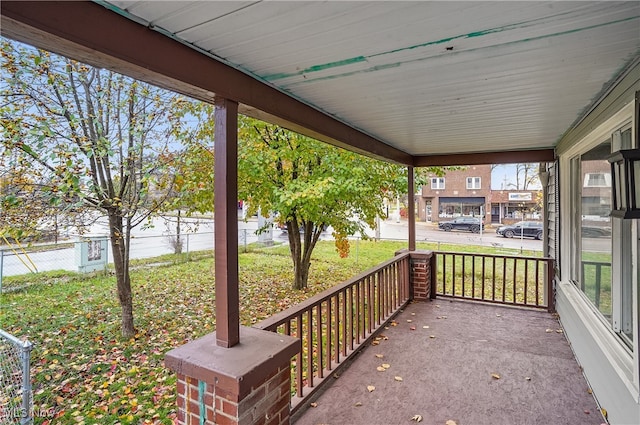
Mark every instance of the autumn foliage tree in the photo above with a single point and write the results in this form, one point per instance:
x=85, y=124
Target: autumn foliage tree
x=91, y=139
x=310, y=186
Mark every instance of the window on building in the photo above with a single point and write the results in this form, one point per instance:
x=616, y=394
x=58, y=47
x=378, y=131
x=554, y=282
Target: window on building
x=473, y=182
x=597, y=180
x=437, y=183
x=601, y=245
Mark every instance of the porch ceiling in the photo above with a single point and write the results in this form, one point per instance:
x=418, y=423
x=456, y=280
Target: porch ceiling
x=414, y=79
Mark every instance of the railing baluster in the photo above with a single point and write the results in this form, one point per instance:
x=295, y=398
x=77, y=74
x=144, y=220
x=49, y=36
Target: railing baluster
x=453, y=274
x=329, y=331
x=538, y=262
x=504, y=277
x=344, y=324
x=310, y=348
x=515, y=279
x=473, y=276
x=354, y=332
x=493, y=281
x=370, y=304
x=299, y=366
x=464, y=261
x=319, y=344
x=526, y=279
x=379, y=295
x=484, y=261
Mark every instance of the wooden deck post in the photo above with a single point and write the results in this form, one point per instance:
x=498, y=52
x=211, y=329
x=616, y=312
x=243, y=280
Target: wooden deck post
x=226, y=223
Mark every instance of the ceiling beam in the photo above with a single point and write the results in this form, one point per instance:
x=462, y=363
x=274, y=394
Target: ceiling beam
x=507, y=157
x=91, y=33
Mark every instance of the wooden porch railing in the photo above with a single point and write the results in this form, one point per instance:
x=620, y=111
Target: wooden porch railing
x=334, y=324
x=504, y=279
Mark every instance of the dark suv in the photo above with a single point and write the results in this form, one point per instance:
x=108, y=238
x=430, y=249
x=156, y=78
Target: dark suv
x=470, y=224
x=528, y=229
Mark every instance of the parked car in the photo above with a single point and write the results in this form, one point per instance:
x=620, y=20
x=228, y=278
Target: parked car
x=470, y=224
x=528, y=229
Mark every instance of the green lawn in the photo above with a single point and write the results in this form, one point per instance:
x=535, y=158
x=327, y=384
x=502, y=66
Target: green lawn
x=86, y=373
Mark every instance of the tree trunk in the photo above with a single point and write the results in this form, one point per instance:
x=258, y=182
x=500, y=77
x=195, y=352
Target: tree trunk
x=121, y=264
x=301, y=252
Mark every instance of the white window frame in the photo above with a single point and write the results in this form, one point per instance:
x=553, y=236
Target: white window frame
x=625, y=361
x=606, y=178
x=471, y=183
x=437, y=183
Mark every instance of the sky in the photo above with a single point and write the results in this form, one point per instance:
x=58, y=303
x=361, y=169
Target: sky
x=504, y=175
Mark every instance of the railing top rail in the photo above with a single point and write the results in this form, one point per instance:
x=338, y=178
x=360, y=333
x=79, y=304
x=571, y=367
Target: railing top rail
x=317, y=299
x=596, y=263
x=14, y=340
x=479, y=254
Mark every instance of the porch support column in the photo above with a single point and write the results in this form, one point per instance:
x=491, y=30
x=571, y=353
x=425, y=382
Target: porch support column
x=411, y=209
x=226, y=223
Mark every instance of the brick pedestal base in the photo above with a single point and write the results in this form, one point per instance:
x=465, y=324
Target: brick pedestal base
x=422, y=274
x=246, y=384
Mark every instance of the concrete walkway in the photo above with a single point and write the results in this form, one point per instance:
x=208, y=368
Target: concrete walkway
x=465, y=362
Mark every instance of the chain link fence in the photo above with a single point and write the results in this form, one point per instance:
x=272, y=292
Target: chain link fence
x=15, y=381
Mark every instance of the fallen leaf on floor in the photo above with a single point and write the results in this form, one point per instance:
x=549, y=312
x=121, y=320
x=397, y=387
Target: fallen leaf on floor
x=549, y=330
x=379, y=356
x=386, y=327
x=437, y=305
x=495, y=376
x=398, y=378
x=450, y=422
x=432, y=336
x=394, y=323
x=375, y=342
x=604, y=413
x=587, y=412
x=314, y=405
x=370, y=388
x=386, y=365
x=559, y=331
x=409, y=320
x=527, y=378
x=336, y=376
x=425, y=327
x=589, y=391
x=413, y=314
x=412, y=328
x=498, y=315
x=416, y=418
x=358, y=404
x=380, y=369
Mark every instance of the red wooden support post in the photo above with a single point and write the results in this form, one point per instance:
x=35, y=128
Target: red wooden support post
x=226, y=223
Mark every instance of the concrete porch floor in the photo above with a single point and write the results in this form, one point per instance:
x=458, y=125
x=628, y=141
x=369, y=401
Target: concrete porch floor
x=447, y=372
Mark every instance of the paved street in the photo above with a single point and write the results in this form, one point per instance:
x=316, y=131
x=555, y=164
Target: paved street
x=153, y=241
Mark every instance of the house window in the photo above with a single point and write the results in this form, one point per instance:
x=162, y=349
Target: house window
x=473, y=182
x=601, y=245
x=437, y=183
x=597, y=180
